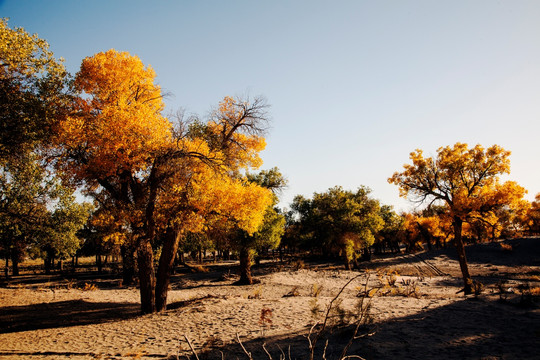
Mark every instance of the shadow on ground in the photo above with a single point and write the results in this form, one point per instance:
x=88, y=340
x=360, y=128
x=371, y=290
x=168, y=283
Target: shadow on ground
x=467, y=329
x=63, y=314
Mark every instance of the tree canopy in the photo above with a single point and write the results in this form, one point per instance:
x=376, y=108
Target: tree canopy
x=339, y=220
x=163, y=178
x=465, y=179
x=32, y=96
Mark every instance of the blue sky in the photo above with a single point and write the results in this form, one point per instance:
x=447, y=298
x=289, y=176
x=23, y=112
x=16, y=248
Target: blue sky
x=354, y=86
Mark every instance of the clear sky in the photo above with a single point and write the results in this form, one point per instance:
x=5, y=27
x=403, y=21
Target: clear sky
x=354, y=86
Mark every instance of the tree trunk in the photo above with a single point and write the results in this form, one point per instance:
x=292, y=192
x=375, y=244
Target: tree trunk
x=166, y=263
x=15, y=258
x=128, y=265
x=245, y=267
x=145, y=260
x=458, y=242
x=347, y=255
x=347, y=263
x=46, y=265
x=99, y=264
x=6, y=268
x=49, y=262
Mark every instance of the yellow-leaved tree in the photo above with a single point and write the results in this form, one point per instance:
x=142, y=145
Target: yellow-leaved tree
x=160, y=178
x=532, y=218
x=467, y=181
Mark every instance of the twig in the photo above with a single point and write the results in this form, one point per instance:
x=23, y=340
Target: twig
x=311, y=345
x=282, y=353
x=362, y=315
x=365, y=335
x=266, y=351
x=324, y=352
x=243, y=348
x=191, y=347
x=353, y=357
x=326, y=317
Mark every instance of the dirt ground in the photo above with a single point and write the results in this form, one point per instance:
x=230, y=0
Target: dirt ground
x=412, y=309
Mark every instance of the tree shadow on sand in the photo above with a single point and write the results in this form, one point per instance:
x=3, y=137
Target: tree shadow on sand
x=467, y=329
x=63, y=314
x=523, y=252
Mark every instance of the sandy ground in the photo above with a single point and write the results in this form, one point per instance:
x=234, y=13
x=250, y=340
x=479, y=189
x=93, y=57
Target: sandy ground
x=417, y=313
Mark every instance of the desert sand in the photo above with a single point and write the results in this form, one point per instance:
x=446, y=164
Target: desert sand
x=417, y=311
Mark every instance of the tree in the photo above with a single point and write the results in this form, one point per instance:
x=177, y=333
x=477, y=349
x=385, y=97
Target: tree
x=340, y=221
x=532, y=218
x=25, y=191
x=33, y=99
x=58, y=237
x=466, y=180
x=108, y=230
x=37, y=213
x=165, y=180
x=32, y=94
x=430, y=226
x=111, y=141
x=270, y=231
x=207, y=186
x=386, y=237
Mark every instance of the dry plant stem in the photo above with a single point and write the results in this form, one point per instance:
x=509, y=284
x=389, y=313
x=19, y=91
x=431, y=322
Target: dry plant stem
x=243, y=348
x=191, y=347
x=362, y=315
x=311, y=344
x=266, y=351
x=353, y=357
x=314, y=342
x=282, y=356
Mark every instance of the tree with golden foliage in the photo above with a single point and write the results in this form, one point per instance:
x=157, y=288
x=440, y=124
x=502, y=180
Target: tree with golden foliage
x=532, y=218
x=164, y=179
x=466, y=180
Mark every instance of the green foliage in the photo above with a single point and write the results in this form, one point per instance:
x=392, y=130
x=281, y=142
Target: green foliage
x=65, y=220
x=270, y=179
x=37, y=213
x=339, y=221
x=32, y=84
x=25, y=191
x=271, y=231
x=393, y=223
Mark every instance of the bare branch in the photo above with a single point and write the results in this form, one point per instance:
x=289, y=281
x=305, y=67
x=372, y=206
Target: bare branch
x=266, y=351
x=243, y=348
x=191, y=347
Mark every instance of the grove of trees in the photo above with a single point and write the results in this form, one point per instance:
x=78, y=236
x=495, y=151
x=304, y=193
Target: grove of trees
x=152, y=188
